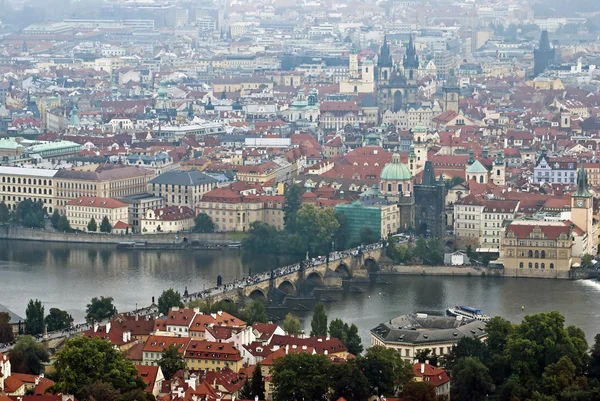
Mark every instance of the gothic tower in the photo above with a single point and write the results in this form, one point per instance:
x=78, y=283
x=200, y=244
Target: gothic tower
x=384, y=63
x=411, y=67
x=582, y=209
x=499, y=170
x=543, y=55
x=451, y=92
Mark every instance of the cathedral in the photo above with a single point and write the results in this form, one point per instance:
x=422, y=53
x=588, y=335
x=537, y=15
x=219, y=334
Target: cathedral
x=396, y=88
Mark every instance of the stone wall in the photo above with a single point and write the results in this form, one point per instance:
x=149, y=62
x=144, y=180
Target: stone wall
x=27, y=234
x=481, y=271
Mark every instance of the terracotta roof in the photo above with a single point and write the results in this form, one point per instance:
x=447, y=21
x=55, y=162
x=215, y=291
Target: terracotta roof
x=180, y=317
x=148, y=375
x=201, y=349
x=431, y=374
x=160, y=343
x=223, y=319
x=550, y=231
x=91, y=201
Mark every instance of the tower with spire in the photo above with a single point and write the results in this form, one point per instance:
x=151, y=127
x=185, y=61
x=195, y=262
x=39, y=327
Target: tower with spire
x=451, y=92
x=430, y=195
x=543, y=55
x=397, y=86
x=499, y=170
x=582, y=209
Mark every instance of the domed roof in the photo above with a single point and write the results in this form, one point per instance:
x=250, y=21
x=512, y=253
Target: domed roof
x=420, y=127
x=162, y=91
x=395, y=171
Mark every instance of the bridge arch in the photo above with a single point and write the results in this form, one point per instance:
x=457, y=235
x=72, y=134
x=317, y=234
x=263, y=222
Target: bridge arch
x=371, y=265
x=343, y=270
x=258, y=295
x=288, y=287
x=316, y=278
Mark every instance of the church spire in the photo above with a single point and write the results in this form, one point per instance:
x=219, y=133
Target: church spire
x=385, y=58
x=583, y=189
x=411, y=61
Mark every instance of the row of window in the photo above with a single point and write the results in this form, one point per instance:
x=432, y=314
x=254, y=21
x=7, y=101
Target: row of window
x=28, y=181
x=537, y=265
x=29, y=190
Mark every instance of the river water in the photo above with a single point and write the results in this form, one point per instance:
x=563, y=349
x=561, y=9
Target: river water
x=67, y=276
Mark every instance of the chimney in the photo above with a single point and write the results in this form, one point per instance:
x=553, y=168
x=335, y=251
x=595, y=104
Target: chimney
x=136, y=317
x=213, y=315
x=37, y=380
x=108, y=326
x=96, y=325
x=192, y=381
x=196, y=310
x=255, y=398
x=220, y=313
x=175, y=308
x=422, y=368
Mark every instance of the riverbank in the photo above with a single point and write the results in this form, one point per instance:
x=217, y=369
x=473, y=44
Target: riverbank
x=9, y=232
x=417, y=270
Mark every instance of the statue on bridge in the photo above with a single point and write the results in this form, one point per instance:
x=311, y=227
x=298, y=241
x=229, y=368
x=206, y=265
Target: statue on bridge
x=219, y=280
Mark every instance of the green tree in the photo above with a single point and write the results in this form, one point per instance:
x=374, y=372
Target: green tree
x=101, y=391
x=587, y=260
x=58, y=320
x=385, y=370
x=84, y=361
x=318, y=325
x=291, y=325
x=367, y=236
x=349, y=382
x=99, y=309
x=55, y=218
x=30, y=214
x=291, y=206
x=136, y=395
x=316, y=228
x=6, y=331
x=4, y=213
x=470, y=380
x=34, y=317
x=594, y=370
x=28, y=356
x=200, y=304
x=338, y=329
x=105, y=226
x=257, y=386
x=246, y=390
x=255, y=312
x=301, y=377
x=92, y=225
x=418, y=391
x=168, y=299
x=261, y=238
x=353, y=340
x=226, y=306
x=171, y=360
x=64, y=224
x=204, y=223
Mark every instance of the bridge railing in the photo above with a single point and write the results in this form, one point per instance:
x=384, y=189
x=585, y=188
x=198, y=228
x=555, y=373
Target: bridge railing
x=282, y=271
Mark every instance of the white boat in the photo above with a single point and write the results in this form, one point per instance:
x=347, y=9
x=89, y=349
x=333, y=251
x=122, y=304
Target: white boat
x=468, y=312
x=235, y=244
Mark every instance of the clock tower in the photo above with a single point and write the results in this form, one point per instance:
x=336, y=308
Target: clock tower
x=582, y=209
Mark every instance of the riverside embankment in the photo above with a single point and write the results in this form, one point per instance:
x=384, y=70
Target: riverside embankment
x=28, y=234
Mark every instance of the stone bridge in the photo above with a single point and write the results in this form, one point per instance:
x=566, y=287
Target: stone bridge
x=329, y=275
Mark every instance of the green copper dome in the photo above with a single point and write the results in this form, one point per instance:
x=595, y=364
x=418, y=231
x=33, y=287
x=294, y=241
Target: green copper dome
x=395, y=171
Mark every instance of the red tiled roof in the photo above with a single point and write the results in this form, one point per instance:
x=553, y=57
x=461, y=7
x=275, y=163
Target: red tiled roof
x=431, y=374
x=148, y=375
x=91, y=201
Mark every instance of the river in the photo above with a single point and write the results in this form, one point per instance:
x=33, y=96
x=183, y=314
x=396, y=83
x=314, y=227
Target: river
x=67, y=276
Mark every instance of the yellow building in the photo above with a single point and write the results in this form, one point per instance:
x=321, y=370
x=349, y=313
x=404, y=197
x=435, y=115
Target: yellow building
x=546, y=83
x=258, y=173
x=212, y=356
x=170, y=219
x=234, y=212
x=81, y=210
x=241, y=84
x=538, y=248
x=20, y=183
x=103, y=182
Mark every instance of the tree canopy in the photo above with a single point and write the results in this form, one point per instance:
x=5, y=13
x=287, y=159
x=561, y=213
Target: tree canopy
x=30, y=213
x=34, y=317
x=168, y=299
x=105, y=226
x=85, y=361
x=204, y=223
x=99, y=309
x=291, y=325
x=385, y=370
x=92, y=225
x=171, y=361
x=291, y=206
x=28, y=356
x=301, y=377
x=6, y=331
x=58, y=320
x=318, y=325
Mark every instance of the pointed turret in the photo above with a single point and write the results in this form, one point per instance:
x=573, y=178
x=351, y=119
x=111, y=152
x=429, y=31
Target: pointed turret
x=411, y=61
x=543, y=55
x=471, y=157
x=385, y=58
x=583, y=189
